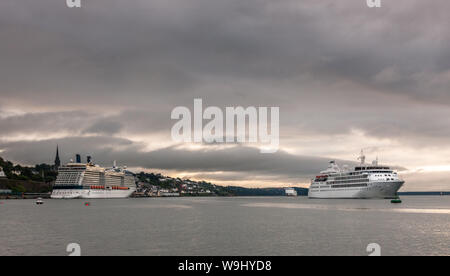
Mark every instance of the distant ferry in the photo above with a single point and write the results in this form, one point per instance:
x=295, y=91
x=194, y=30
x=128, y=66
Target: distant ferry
x=364, y=181
x=290, y=192
x=78, y=180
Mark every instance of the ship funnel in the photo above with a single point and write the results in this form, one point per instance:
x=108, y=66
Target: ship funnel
x=78, y=158
x=89, y=159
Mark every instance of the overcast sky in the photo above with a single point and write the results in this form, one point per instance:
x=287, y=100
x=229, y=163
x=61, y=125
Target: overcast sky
x=103, y=80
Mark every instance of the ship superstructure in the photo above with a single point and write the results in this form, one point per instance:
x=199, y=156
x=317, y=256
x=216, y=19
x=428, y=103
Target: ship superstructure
x=86, y=180
x=364, y=181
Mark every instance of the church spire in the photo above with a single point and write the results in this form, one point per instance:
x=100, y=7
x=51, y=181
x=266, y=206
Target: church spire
x=57, y=160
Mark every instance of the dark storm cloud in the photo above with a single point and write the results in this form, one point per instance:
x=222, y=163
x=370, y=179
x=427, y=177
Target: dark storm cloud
x=409, y=124
x=246, y=161
x=105, y=127
x=237, y=159
x=122, y=66
x=102, y=148
x=45, y=122
x=81, y=122
x=155, y=49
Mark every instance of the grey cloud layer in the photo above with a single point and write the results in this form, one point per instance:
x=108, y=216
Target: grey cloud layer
x=155, y=48
x=293, y=54
x=331, y=66
x=246, y=161
x=86, y=123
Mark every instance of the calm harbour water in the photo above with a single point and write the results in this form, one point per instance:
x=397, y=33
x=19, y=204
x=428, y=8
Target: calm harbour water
x=226, y=226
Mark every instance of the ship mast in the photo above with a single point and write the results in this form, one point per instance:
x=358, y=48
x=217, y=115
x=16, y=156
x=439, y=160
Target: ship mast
x=375, y=162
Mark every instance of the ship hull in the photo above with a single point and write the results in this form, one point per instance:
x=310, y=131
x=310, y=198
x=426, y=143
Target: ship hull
x=65, y=194
x=373, y=190
x=91, y=193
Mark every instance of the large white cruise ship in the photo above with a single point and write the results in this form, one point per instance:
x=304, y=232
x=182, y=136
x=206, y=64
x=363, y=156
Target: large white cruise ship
x=78, y=180
x=364, y=181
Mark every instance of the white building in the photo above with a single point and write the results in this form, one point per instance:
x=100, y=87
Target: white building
x=16, y=172
x=2, y=174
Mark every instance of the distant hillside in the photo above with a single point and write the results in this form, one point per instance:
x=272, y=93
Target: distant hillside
x=22, y=179
x=189, y=187
x=153, y=182
x=241, y=191
x=25, y=186
x=424, y=193
x=38, y=173
x=39, y=179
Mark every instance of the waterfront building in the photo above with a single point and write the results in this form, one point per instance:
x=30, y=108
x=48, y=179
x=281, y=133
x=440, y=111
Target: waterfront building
x=2, y=173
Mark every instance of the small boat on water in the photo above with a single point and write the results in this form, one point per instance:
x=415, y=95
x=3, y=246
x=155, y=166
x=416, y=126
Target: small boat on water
x=396, y=200
x=39, y=201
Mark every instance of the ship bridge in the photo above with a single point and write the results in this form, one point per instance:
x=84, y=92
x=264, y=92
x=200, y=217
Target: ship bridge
x=363, y=168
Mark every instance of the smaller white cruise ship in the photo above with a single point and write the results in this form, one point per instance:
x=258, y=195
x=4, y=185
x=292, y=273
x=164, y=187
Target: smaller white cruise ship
x=86, y=180
x=364, y=181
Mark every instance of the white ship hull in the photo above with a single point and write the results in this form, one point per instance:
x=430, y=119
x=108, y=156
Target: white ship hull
x=77, y=180
x=91, y=194
x=373, y=190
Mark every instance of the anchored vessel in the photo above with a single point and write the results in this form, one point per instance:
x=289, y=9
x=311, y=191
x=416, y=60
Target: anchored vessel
x=77, y=180
x=290, y=192
x=364, y=181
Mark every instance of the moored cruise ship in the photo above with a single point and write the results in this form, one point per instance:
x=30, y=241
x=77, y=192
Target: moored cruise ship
x=364, y=181
x=86, y=180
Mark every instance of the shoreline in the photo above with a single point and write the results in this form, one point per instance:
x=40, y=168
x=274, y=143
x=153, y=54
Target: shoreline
x=47, y=196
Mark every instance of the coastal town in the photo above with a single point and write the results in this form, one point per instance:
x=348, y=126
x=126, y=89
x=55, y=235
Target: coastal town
x=26, y=182
x=18, y=181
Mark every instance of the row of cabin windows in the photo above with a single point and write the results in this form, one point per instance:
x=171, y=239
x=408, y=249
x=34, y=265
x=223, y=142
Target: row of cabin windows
x=349, y=181
x=349, y=186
